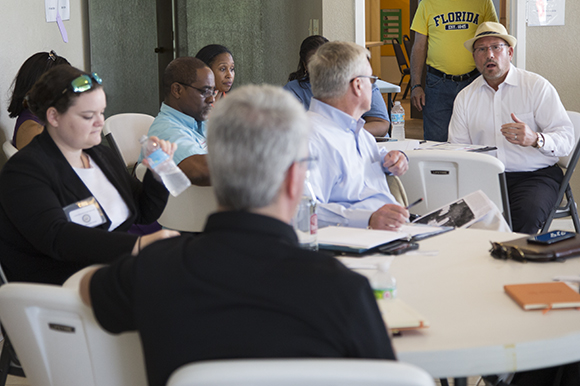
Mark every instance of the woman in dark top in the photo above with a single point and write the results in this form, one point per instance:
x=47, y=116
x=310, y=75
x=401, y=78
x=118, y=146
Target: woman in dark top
x=376, y=119
x=221, y=62
x=27, y=124
x=65, y=200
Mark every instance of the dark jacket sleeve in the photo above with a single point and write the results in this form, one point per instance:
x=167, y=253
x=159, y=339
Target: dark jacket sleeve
x=150, y=198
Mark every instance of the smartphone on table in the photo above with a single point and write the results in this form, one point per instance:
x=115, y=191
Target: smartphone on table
x=551, y=237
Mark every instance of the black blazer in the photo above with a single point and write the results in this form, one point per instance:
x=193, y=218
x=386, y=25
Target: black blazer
x=37, y=242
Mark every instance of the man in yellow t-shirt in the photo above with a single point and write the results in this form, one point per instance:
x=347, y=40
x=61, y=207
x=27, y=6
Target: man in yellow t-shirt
x=441, y=27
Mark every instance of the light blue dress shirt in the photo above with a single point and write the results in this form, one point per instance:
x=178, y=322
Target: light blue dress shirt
x=175, y=126
x=348, y=179
x=304, y=94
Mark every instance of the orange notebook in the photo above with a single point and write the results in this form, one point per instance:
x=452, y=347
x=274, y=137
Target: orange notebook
x=540, y=296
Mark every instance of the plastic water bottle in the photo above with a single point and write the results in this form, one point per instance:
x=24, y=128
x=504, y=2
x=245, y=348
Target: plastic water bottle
x=398, y=122
x=383, y=284
x=173, y=178
x=305, y=220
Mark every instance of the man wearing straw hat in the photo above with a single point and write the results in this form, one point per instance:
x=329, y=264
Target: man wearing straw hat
x=521, y=114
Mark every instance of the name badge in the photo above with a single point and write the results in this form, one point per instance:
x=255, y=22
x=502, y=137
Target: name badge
x=86, y=212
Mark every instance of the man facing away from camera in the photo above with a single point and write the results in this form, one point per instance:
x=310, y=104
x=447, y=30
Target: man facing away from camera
x=243, y=288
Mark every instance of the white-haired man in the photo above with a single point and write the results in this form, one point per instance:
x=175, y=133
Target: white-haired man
x=243, y=288
x=349, y=176
x=521, y=114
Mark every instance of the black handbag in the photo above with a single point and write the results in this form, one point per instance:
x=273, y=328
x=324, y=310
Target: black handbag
x=522, y=251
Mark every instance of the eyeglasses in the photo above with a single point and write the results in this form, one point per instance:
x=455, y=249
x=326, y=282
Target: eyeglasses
x=372, y=78
x=79, y=85
x=205, y=92
x=496, y=49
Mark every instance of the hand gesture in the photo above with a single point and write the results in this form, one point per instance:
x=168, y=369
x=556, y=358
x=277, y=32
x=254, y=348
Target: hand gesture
x=519, y=133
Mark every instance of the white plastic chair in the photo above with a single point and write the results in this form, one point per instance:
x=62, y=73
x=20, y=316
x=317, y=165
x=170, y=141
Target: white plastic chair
x=123, y=131
x=303, y=372
x=9, y=149
x=567, y=208
x=187, y=212
x=443, y=176
x=397, y=189
x=59, y=343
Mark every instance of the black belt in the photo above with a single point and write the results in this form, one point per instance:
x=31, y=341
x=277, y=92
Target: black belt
x=455, y=78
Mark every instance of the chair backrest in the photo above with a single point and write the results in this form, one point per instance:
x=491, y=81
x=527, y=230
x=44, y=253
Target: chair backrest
x=187, y=212
x=442, y=176
x=59, y=343
x=303, y=372
x=397, y=189
x=9, y=149
x=575, y=118
x=123, y=131
x=567, y=207
x=408, y=46
x=401, y=60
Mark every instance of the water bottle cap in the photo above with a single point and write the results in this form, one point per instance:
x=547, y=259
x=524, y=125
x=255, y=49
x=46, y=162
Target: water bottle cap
x=143, y=139
x=397, y=103
x=384, y=266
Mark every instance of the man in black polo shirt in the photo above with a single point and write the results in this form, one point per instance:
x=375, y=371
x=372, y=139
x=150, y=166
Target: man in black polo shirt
x=243, y=288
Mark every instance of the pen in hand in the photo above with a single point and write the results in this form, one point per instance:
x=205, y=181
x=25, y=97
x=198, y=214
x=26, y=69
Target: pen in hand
x=414, y=203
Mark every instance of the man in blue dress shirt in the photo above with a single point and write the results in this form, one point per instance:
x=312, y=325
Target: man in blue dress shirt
x=349, y=177
x=189, y=89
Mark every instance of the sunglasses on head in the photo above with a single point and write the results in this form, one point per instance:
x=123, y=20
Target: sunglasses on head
x=81, y=84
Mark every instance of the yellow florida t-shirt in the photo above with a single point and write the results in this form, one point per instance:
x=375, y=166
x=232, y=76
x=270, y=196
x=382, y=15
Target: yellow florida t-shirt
x=447, y=25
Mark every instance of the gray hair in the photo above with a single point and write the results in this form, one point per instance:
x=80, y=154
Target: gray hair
x=254, y=135
x=333, y=66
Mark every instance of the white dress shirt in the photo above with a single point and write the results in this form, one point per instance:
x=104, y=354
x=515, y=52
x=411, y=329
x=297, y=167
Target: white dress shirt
x=479, y=111
x=348, y=179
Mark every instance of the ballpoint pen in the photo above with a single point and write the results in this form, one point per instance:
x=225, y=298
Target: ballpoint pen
x=414, y=203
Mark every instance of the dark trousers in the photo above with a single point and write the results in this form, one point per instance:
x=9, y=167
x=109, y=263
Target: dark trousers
x=532, y=196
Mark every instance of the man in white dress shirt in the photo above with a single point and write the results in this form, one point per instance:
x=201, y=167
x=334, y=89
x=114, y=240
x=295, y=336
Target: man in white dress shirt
x=521, y=114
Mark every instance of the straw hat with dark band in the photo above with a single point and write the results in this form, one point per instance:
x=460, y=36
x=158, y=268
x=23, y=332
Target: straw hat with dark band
x=488, y=29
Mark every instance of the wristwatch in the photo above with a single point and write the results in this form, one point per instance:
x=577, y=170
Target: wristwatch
x=540, y=142
x=415, y=86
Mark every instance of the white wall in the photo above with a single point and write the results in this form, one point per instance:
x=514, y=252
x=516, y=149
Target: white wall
x=339, y=20
x=23, y=32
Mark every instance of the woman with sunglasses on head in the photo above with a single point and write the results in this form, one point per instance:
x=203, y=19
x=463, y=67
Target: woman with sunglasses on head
x=377, y=118
x=221, y=62
x=27, y=124
x=65, y=200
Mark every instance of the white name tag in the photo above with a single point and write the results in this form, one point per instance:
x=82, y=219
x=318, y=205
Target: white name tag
x=86, y=213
